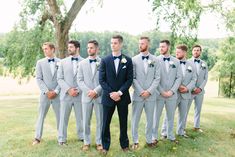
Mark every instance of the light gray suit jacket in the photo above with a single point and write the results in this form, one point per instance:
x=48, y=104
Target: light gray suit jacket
x=202, y=77
x=171, y=80
x=67, y=79
x=189, y=79
x=87, y=81
x=145, y=81
x=45, y=80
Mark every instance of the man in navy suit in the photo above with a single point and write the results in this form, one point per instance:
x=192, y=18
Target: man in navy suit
x=115, y=77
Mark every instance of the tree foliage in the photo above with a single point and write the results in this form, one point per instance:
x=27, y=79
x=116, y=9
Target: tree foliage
x=183, y=17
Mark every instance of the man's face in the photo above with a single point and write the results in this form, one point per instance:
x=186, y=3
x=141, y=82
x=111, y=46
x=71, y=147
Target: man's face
x=180, y=54
x=196, y=52
x=143, y=45
x=48, y=52
x=163, y=47
x=115, y=45
x=91, y=49
x=72, y=50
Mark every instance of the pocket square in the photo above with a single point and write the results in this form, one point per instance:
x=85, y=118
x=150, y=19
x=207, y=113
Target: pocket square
x=123, y=67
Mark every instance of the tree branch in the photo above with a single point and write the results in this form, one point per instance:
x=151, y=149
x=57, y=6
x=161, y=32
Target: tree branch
x=74, y=10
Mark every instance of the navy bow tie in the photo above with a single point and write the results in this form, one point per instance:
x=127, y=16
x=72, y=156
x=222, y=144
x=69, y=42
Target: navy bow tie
x=182, y=62
x=92, y=60
x=197, y=60
x=166, y=59
x=115, y=57
x=51, y=60
x=74, y=59
x=145, y=57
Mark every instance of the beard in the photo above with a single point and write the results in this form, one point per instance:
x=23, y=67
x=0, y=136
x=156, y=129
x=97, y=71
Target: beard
x=91, y=54
x=71, y=53
x=143, y=49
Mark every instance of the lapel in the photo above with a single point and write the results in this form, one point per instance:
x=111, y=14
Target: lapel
x=56, y=67
x=140, y=61
x=148, y=66
x=170, y=68
x=120, y=65
x=111, y=61
x=163, y=65
x=48, y=68
x=96, y=67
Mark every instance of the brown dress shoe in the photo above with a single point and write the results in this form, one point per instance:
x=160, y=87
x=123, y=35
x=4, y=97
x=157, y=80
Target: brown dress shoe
x=155, y=142
x=99, y=147
x=85, y=147
x=135, y=146
x=150, y=145
x=36, y=141
x=198, y=130
x=125, y=149
x=104, y=151
x=62, y=143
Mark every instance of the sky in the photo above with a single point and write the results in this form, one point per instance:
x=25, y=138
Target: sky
x=129, y=16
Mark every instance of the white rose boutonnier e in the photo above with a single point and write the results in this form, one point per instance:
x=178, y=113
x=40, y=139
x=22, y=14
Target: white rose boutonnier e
x=151, y=63
x=172, y=65
x=123, y=60
x=189, y=69
x=97, y=64
x=203, y=66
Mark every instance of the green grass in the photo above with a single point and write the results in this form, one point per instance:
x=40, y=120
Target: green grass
x=18, y=117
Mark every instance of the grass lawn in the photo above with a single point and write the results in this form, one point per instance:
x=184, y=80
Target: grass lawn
x=18, y=117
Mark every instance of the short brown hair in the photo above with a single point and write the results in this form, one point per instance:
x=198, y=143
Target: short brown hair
x=144, y=37
x=94, y=42
x=166, y=41
x=119, y=37
x=50, y=44
x=182, y=47
x=197, y=46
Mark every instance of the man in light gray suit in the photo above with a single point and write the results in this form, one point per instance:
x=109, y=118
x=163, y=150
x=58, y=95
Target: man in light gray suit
x=170, y=80
x=198, y=91
x=46, y=76
x=88, y=82
x=70, y=93
x=184, y=91
x=146, y=79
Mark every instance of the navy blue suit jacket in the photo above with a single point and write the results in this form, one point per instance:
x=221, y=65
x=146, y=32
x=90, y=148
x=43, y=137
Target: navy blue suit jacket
x=112, y=82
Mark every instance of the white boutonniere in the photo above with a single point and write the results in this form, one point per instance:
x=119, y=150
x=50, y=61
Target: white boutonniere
x=123, y=60
x=151, y=63
x=172, y=64
x=203, y=66
x=189, y=69
x=57, y=65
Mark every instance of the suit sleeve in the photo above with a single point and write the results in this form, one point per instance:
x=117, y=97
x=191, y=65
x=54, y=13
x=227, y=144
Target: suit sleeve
x=202, y=86
x=98, y=90
x=39, y=77
x=156, y=80
x=178, y=79
x=60, y=78
x=80, y=79
x=136, y=85
x=102, y=77
x=129, y=78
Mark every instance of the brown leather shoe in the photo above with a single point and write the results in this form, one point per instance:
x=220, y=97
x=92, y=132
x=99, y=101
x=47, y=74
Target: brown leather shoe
x=125, y=149
x=104, y=151
x=62, y=143
x=150, y=145
x=135, y=146
x=198, y=130
x=85, y=147
x=36, y=141
x=99, y=147
x=155, y=142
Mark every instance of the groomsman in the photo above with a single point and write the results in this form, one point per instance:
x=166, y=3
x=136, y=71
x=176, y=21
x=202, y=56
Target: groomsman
x=88, y=81
x=46, y=77
x=70, y=93
x=198, y=91
x=170, y=80
x=184, y=91
x=115, y=77
x=146, y=79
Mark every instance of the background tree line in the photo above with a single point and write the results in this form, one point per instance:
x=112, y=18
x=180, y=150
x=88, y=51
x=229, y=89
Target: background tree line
x=51, y=20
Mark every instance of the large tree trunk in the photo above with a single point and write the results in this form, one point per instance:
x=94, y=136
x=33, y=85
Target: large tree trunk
x=61, y=42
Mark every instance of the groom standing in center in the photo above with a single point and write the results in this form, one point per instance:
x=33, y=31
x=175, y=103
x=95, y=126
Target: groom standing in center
x=115, y=77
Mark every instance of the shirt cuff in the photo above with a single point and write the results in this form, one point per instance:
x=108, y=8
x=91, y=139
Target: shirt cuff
x=120, y=93
x=56, y=91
